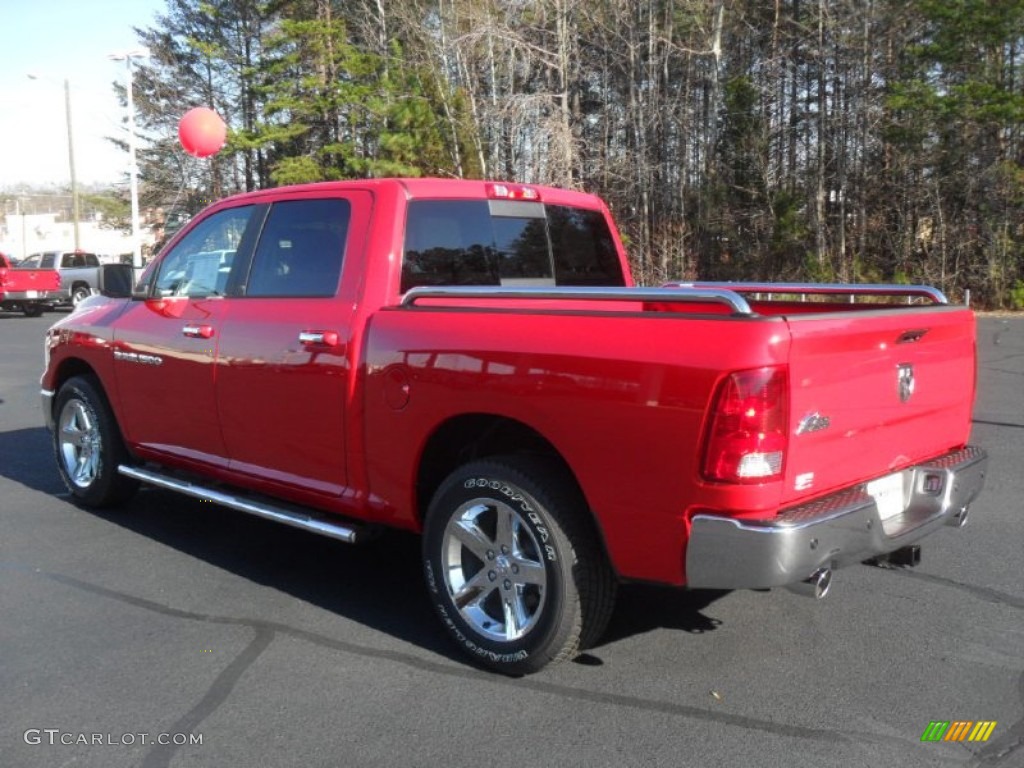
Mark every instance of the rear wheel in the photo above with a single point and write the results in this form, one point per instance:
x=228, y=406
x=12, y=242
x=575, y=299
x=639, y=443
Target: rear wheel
x=88, y=446
x=514, y=568
x=79, y=293
x=32, y=310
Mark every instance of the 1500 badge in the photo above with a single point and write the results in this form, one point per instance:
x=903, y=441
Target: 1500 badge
x=138, y=357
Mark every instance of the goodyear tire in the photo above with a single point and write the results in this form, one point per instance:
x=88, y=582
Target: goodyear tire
x=87, y=445
x=513, y=566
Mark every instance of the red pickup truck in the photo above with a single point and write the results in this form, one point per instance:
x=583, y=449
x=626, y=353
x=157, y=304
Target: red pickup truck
x=27, y=290
x=472, y=361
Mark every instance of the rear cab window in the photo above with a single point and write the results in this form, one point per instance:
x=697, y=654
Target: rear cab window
x=507, y=243
x=79, y=260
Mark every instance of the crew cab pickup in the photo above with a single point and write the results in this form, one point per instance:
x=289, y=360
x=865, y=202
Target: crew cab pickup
x=23, y=289
x=78, y=273
x=472, y=361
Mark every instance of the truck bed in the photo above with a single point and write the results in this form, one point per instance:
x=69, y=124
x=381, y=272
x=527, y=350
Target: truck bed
x=553, y=359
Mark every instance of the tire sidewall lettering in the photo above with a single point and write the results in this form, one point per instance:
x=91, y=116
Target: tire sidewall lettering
x=525, y=505
x=431, y=580
x=472, y=647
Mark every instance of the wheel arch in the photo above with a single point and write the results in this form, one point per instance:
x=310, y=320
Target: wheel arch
x=73, y=366
x=70, y=367
x=471, y=437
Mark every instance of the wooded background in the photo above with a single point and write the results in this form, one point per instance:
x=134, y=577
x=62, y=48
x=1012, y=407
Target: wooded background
x=829, y=140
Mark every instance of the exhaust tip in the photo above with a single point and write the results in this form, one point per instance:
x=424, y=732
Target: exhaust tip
x=817, y=586
x=959, y=519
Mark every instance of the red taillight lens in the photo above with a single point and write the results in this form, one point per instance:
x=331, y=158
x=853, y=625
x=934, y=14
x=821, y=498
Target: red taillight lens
x=748, y=432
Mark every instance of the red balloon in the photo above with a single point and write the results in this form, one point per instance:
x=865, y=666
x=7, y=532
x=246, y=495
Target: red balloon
x=202, y=132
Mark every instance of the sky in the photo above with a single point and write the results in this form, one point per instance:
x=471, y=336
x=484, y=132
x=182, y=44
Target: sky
x=57, y=40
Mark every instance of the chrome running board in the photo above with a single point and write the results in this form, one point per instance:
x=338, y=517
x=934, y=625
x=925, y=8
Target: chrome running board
x=296, y=519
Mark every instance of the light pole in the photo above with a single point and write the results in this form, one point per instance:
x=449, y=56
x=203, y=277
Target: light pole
x=133, y=169
x=71, y=159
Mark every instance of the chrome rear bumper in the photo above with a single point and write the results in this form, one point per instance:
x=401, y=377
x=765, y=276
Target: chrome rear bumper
x=843, y=528
x=19, y=296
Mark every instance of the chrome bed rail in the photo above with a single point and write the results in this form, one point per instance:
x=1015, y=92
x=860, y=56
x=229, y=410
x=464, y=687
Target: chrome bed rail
x=823, y=289
x=683, y=294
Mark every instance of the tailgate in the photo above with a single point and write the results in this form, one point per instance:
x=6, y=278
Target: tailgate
x=17, y=280
x=873, y=392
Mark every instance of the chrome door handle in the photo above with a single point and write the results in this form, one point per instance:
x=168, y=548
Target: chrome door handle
x=322, y=338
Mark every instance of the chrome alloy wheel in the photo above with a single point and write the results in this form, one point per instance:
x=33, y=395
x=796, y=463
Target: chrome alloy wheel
x=80, y=442
x=79, y=294
x=493, y=569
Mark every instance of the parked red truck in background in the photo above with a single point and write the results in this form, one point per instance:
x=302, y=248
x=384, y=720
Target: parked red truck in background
x=472, y=361
x=27, y=290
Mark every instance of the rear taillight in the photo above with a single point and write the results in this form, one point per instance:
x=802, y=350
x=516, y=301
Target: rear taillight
x=748, y=430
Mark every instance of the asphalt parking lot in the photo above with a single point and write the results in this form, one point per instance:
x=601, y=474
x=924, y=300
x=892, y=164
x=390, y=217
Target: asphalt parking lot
x=176, y=633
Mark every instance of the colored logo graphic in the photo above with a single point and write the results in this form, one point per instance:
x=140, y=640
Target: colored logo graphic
x=958, y=730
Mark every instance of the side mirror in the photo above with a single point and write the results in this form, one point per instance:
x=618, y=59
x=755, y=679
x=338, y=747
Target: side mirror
x=115, y=280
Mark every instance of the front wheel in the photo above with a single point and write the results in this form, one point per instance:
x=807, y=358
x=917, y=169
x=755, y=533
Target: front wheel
x=87, y=445
x=514, y=568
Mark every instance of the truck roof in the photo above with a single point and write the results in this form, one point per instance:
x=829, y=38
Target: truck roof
x=429, y=188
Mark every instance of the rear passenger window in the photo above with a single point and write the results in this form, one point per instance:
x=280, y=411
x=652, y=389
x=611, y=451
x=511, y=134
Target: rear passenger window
x=301, y=249
x=480, y=242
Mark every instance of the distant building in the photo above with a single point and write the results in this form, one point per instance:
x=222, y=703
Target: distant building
x=25, y=234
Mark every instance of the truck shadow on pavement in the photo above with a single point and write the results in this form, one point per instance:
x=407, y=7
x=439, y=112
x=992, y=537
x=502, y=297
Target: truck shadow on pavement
x=643, y=608
x=378, y=584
